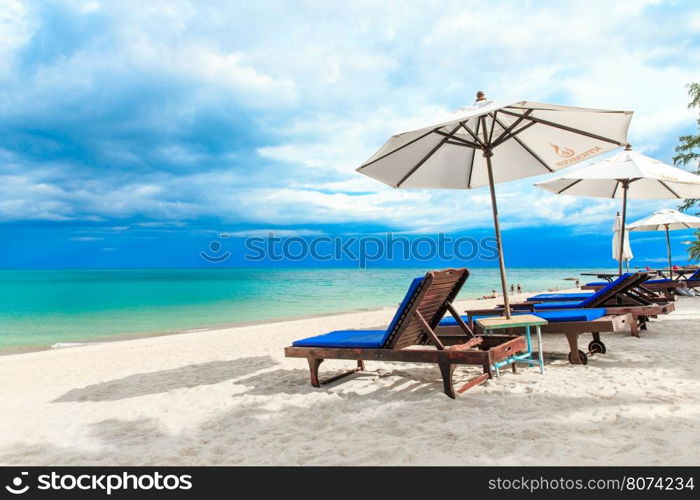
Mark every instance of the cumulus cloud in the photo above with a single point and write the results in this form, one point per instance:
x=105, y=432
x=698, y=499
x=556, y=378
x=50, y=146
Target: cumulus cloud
x=258, y=113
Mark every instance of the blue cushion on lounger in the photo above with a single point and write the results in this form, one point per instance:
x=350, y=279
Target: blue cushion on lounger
x=666, y=280
x=695, y=276
x=370, y=339
x=571, y=304
x=546, y=297
x=402, y=308
x=598, y=283
x=565, y=315
x=559, y=316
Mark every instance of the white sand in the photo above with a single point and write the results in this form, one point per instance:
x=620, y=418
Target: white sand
x=230, y=397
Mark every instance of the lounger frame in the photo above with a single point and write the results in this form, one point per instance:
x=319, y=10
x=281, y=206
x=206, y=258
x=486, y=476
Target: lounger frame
x=643, y=290
x=431, y=301
x=617, y=318
x=628, y=292
x=493, y=348
x=570, y=329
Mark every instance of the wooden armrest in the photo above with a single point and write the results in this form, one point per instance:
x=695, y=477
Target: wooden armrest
x=467, y=345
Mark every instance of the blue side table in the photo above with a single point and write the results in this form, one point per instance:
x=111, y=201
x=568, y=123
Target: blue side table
x=490, y=325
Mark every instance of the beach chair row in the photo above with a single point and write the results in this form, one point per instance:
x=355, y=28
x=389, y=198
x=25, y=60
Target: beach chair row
x=427, y=328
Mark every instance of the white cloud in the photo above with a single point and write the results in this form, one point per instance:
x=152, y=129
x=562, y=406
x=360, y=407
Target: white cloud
x=266, y=232
x=15, y=30
x=313, y=90
x=87, y=238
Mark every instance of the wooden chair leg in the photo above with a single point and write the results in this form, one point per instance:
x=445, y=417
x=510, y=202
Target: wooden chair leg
x=447, y=369
x=360, y=365
x=572, y=338
x=314, y=363
x=634, y=326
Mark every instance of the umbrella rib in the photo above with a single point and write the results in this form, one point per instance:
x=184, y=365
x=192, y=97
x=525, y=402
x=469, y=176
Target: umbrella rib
x=458, y=139
x=461, y=143
x=512, y=135
x=493, y=125
x=471, y=165
x=666, y=186
x=474, y=135
x=427, y=157
x=507, y=132
x=397, y=149
x=534, y=155
x=482, y=118
x=569, y=186
x=617, y=183
x=471, y=170
x=564, y=127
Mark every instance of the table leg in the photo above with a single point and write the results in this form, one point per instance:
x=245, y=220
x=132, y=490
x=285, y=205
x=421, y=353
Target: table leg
x=540, y=349
x=528, y=340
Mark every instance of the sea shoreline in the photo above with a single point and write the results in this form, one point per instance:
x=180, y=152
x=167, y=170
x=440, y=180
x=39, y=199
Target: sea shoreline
x=59, y=309
x=124, y=337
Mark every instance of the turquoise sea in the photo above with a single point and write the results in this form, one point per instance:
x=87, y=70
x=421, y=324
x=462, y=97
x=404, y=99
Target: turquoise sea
x=41, y=308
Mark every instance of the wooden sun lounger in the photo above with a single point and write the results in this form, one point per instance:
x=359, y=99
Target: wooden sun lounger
x=667, y=289
x=625, y=305
x=627, y=293
x=640, y=313
x=653, y=292
x=571, y=330
x=423, y=310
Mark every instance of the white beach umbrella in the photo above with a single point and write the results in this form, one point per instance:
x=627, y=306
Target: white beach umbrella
x=494, y=142
x=617, y=235
x=666, y=220
x=627, y=175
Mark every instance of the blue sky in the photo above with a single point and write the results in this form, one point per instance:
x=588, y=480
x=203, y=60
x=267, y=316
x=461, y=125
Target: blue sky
x=134, y=133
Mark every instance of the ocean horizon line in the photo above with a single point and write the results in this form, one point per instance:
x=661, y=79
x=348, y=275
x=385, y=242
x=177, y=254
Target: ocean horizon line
x=283, y=268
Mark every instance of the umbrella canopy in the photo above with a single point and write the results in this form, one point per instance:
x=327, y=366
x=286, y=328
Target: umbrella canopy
x=494, y=142
x=627, y=174
x=531, y=138
x=617, y=234
x=646, y=178
x=666, y=220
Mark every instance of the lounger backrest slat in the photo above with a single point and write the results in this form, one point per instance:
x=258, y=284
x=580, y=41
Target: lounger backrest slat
x=430, y=300
x=610, y=291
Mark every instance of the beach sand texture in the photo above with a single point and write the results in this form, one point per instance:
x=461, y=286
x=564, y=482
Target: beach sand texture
x=230, y=397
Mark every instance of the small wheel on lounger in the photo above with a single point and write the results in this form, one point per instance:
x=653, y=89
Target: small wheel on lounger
x=582, y=355
x=596, y=347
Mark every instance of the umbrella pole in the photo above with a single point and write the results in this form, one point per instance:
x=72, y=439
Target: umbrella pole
x=625, y=185
x=668, y=247
x=504, y=283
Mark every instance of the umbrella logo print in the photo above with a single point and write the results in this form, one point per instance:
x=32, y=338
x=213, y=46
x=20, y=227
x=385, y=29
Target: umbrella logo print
x=563, y=152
